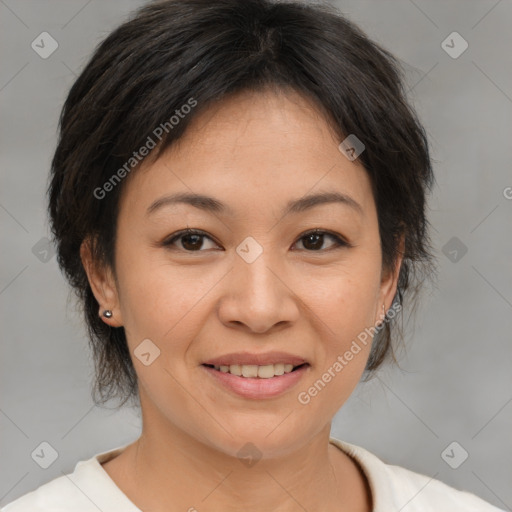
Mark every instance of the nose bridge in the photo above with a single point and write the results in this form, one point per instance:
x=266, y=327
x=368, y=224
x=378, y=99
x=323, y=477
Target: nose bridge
x=255, y=268
x=257, y=297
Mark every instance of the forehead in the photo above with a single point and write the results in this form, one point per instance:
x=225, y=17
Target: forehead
x=254, y=145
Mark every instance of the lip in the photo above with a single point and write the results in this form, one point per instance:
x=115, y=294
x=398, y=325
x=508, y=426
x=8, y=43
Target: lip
x=262, y=359
x=256, y=388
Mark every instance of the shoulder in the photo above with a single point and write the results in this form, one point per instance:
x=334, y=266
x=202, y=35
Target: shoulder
x=394, y=487
x=49, y=497
x=427, y=493
x=87, y=489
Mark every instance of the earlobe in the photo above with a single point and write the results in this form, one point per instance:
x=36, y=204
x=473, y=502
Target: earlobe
x=102, y=285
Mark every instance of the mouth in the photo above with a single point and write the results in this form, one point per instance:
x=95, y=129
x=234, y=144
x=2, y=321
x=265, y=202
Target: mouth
x=256, y=382
x=253, y=371
x=251, y=375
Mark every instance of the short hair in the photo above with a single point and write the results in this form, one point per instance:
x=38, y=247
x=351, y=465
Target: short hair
x=177, y=52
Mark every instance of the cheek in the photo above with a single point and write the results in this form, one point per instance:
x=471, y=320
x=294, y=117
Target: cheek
x=156, y=300
x=345, y=299
x=153, y=288
x=344, y=307
x=169, y=306
x=346, y=312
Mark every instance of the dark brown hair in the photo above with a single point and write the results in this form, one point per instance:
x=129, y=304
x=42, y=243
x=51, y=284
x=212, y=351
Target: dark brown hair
x=175, y=50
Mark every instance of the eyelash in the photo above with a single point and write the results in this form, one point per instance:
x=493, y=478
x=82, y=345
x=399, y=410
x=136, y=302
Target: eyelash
x=338, y=240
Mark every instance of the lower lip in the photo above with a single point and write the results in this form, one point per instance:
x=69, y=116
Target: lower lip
x=255, y=387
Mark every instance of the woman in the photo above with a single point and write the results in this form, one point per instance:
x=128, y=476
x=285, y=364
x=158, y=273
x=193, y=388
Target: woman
x=238, y=198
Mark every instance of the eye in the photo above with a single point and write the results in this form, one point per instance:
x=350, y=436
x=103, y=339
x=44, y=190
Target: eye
x=314, y=240
x=191, y=240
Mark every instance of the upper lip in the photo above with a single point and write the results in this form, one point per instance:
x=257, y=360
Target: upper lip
x=246, y=358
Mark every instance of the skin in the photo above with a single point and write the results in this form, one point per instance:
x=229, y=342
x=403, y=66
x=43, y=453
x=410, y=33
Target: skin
x=254, y=152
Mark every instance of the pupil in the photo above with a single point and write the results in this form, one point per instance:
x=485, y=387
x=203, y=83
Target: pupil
x=193, y=245
x=313, y=236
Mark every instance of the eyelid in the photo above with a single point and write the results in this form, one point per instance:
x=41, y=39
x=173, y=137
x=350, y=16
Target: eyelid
x=339, y=240
x=189, y=231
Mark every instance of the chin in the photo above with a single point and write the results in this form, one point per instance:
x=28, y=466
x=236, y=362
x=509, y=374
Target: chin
x=265, y=442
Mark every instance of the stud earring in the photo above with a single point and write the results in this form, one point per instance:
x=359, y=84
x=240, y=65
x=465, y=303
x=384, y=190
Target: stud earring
x=107, y=313
x=381, y=323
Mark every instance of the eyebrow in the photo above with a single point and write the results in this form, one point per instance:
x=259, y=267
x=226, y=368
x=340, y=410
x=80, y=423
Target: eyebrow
x=210, y=204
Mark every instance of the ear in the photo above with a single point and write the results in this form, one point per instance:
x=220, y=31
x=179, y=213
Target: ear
x=103, y=285
x=389, y=283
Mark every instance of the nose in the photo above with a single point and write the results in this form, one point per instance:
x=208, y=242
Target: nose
x=258, y=297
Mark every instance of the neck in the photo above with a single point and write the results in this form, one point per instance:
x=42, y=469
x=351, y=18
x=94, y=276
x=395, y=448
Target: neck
x=222, y=482
x=169, y=469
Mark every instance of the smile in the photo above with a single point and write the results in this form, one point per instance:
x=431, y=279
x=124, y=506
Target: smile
x=267, y=371
x=254, y=381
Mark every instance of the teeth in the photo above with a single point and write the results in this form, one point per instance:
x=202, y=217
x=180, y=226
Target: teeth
x=266, y=372
x=235, y=369
x=252, y=371
x=279, y=369
x=249, y=370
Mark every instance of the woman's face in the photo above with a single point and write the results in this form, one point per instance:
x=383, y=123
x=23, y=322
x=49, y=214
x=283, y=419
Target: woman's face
x=253, y=283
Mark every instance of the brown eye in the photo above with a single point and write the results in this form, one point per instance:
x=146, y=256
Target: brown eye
x=314, y=240
x=191, y=240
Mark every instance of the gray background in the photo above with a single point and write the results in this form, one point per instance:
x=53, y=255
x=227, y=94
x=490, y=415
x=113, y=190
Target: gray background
x=455, y=380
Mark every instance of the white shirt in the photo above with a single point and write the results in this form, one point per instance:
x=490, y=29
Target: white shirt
x=89, y=488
